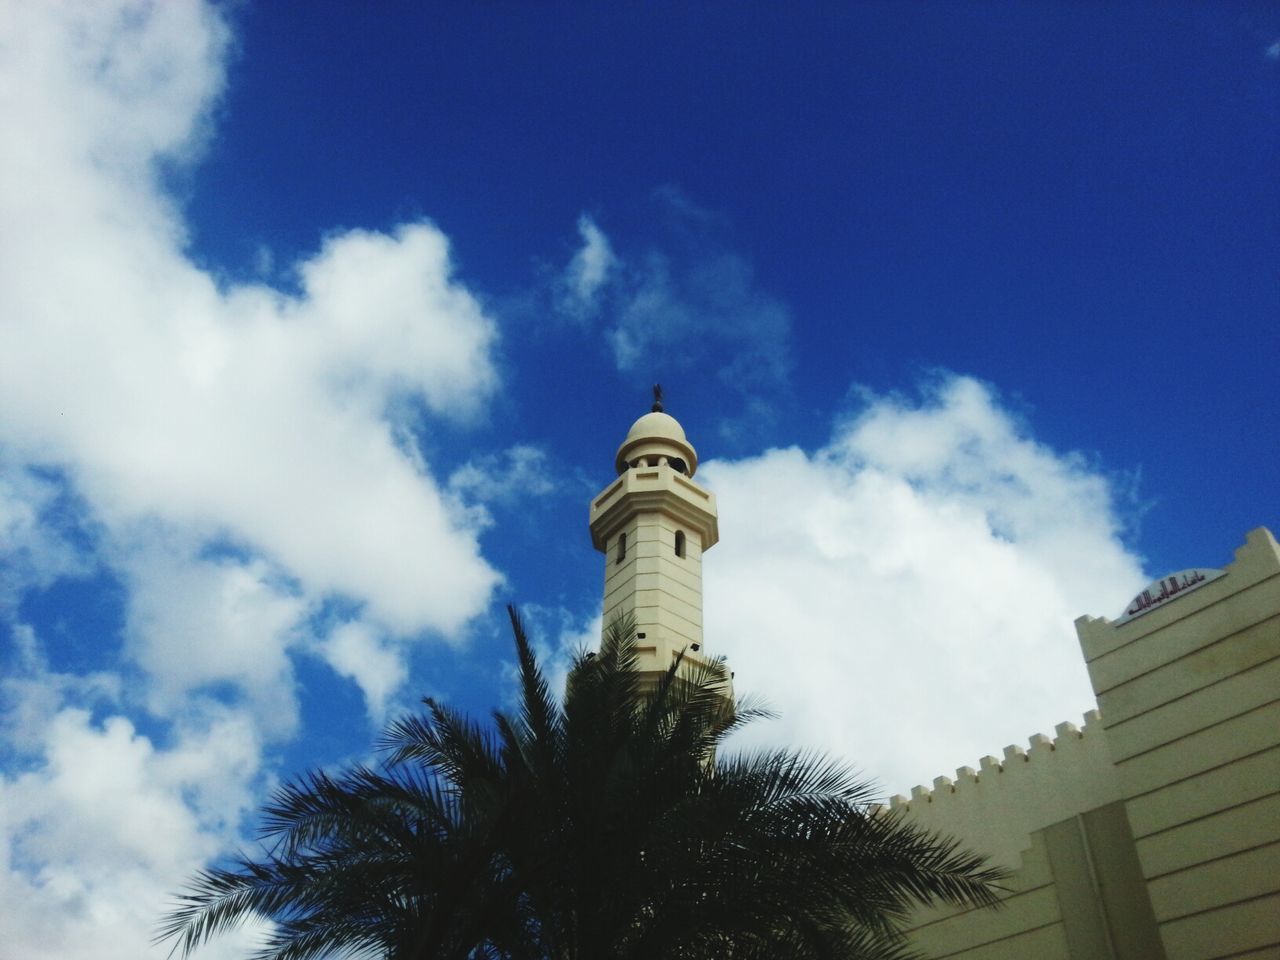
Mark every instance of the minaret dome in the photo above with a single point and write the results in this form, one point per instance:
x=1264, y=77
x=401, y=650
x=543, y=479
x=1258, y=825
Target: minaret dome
x=653, y=437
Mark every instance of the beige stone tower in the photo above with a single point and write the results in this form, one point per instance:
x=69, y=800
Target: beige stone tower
x=653, y=524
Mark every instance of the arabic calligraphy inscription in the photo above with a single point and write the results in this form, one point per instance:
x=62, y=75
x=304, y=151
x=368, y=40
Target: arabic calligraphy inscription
x=1168, y=588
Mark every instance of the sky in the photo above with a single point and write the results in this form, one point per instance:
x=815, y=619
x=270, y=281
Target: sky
x=320, y=325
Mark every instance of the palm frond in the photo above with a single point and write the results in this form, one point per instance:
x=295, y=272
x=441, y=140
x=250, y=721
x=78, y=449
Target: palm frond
x=539, y=712
x=609, y=825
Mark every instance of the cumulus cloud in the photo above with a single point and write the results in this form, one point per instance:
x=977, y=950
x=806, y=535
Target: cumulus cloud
x=903, y=592
x=99, y=823
x=262, y=418
x=242, y=454
x=587, y=272
x=238, y=412
x=357, y=652
x=37, y=529
x=194, y=624
x=31, y=693
x=95, y=840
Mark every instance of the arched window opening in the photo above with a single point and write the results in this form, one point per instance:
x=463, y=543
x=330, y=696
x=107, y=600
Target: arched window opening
x=622, y=547
x=679, y=543
x=678, y=465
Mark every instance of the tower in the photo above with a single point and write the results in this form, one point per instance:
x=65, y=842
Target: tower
x=653, y=524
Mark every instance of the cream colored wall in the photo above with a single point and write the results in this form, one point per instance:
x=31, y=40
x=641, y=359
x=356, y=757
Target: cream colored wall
x=1190, y=696
x=1156, y=830
x=1076, y=894
x=662, y=591
x=1052, y=816
x=1028, y=924
x=999, y=806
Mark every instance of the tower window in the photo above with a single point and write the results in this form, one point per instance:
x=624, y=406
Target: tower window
x=622, y=547
x=679, y=543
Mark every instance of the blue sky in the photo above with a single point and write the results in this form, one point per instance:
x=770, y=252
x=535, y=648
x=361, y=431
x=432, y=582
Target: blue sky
x=319, y=329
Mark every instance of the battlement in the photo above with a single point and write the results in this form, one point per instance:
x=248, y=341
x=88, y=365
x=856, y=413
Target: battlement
x=1251, y=577
x=1157, y=833
x=996, y=808
x=944, y=787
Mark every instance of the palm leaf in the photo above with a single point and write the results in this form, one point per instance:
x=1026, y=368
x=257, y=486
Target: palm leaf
x=606, y=826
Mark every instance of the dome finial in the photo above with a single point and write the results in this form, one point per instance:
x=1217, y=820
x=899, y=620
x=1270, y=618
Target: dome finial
x=657, y=398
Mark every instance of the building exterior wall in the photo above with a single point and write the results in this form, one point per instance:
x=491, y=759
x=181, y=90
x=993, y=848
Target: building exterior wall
x=1029, y=923
x=1190, y=696
x=999, y=806
x=661, y=591
x=1155, y=831
x=1077, y=893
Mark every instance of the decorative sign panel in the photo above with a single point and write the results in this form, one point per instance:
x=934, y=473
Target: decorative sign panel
x=1159, y=592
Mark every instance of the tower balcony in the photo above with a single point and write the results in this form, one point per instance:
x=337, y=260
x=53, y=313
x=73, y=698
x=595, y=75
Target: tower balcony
x=659, y=489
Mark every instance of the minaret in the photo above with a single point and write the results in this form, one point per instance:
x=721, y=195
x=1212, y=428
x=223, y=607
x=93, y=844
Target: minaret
x=653, y=524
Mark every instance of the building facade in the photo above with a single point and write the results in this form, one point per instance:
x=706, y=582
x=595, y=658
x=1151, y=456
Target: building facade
x=1153, y=832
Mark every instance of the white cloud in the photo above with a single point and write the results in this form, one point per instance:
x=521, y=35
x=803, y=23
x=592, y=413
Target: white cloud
x=357, y=652
x=240, y=453
x=195, y=623
x=102, y=825
x=106, y=822
x=587, y=272
x=239, y=412
x=35, y=548
x=259, y=418
x=521, y=471
x=905, y=596
x=516, y=475
x=30, y=693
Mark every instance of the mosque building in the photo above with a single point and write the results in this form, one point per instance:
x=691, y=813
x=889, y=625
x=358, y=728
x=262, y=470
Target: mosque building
x=1150, y=833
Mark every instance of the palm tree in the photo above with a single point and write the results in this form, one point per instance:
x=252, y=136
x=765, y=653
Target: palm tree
x=606, y=827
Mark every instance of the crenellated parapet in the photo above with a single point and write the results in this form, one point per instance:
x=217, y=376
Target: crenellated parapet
x=1157, y=833
x=995, y=808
